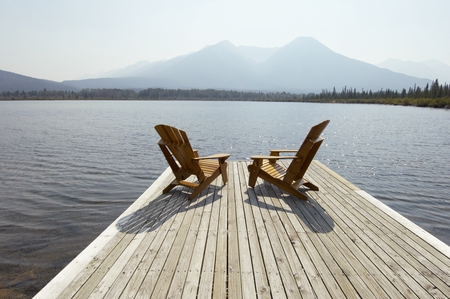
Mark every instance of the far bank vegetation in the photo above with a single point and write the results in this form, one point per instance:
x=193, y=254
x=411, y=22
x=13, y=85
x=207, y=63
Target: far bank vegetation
x=435, y=95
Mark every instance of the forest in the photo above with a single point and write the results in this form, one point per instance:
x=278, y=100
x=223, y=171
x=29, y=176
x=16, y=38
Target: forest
x=432, y=95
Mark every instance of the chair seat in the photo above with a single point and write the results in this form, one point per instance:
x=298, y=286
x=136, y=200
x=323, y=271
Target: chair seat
x=275, y=170
x=208, y=166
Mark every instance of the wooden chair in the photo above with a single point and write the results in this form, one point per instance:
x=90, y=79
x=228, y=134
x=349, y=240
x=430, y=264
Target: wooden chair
x=289, y=179
x=184, y=161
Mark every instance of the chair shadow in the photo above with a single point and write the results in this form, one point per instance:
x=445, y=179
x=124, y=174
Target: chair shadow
x=165, y=206
x=310, y=212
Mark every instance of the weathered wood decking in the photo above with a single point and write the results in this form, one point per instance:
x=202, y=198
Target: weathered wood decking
x=237, y=242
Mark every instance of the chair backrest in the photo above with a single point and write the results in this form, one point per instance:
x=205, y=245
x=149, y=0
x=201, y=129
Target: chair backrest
x=306, y=153
x=177, y=142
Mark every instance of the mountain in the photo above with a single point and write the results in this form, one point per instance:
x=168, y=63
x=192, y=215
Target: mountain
x=14, y=82
x=430, y=69
x=304, y=65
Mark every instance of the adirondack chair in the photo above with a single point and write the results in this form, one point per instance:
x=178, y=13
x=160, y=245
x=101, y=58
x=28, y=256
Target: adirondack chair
x=267, y=168
x=184, y=161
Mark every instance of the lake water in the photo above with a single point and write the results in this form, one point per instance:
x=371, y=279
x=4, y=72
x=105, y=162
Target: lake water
x=70, y=168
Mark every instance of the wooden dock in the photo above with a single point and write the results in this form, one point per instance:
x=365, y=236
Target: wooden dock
x=237, y=242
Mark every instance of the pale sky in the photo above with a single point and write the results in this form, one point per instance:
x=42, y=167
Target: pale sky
x=65, y=39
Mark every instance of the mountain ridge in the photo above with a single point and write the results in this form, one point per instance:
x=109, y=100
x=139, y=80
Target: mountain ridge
x=12, y=82
x=304, y=65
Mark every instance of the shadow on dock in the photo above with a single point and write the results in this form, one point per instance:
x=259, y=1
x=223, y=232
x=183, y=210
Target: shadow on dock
x=153, y=215
x=310, y=212
x=161, y=209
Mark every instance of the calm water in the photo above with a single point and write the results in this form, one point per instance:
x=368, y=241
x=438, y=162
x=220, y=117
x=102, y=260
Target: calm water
x=68, y=169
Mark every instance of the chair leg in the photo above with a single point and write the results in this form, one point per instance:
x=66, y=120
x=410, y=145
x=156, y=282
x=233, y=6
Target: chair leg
x=223, y=171
x=306, y=183
x=195, y=192
x=291, y=189
x=297, y=184
x=311, y=185
x=253, y=175
x=200, y=187
x=170, y=186
x=294, y=192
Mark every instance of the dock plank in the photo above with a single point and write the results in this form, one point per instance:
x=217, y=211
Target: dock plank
x=233, y=241
x=360, y=256
x=362, y=229
x=199, y=234
x=261, y=286
x=157, y=235
x=275, y=285
x=182, y=249
x=245, y=260
x=234, y=266
x=220, y=266
x=381, y=232
x=207, y=270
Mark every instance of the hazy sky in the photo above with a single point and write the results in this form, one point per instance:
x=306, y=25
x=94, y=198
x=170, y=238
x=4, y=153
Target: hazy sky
x=65, y=39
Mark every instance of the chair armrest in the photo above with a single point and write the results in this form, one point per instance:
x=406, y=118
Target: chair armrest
x=216, y=156
x=272, y=157
x=283, y=151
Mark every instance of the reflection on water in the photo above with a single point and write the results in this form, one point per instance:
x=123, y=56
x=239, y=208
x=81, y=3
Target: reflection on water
x=68, y=169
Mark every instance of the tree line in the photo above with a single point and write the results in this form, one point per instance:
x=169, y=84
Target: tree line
x=150, y=94
x=432, y=95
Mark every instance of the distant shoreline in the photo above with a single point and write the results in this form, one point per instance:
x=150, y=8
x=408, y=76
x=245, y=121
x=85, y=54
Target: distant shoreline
x=434, y=96
x=423, y=103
